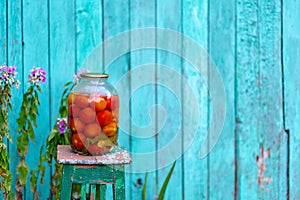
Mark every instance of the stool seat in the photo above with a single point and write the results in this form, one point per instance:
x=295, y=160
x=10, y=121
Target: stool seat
x=118, y=156
x=90, y=171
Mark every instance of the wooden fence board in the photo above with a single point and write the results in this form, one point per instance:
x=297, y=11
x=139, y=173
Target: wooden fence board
x=195, y=169
x=221, y=49
x=291, y=48
x=169, y=97
x=36, y=53
x=143, y=125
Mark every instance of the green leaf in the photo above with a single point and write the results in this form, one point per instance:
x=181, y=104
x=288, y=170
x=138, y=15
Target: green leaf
x=52, y=134
x=165, y=184
x=145, y=187
x=8, y=180
x=39, y=88
x=21, y=123
x=67, y=84
x=31, y=131
x=2, y=120
x=22, y=170
x=33, y=180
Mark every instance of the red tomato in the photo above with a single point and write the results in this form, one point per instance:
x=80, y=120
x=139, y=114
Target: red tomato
x=98, y=106
x=104, y=117
x=75, y=125
x=78, y=140
x=92, y=130
x=113, y=102
x=80, y=100
x=87, y=115
x=110, y=129
x=73, y=110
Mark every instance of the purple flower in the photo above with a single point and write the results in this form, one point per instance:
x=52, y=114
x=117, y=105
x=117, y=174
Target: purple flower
x=8, y=75
x=61, y=125
x=155, y=196
x=37, y=75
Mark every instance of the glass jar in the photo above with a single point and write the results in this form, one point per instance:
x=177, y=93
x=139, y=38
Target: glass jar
x=93, y=113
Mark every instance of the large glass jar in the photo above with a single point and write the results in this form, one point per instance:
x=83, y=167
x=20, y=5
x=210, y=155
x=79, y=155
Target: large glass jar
x=93, y=115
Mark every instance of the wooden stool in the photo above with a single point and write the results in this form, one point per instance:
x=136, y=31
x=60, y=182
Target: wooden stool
x=90, y=171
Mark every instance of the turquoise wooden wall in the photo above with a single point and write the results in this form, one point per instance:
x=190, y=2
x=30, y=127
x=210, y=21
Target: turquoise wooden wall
x=255, y=45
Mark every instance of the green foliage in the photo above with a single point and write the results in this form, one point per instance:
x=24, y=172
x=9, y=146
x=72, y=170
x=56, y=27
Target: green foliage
x=5, y=174
x=144, y=190
x=26, y=124
x=22, y=170
x=164, y=186
x=55, y=138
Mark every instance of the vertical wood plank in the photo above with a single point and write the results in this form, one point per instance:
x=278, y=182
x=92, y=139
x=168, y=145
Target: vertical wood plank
x=4, y=47
x=15, y=57
x=259, y=100
x=271, y=100
x=93, y=192
x=247, y=102
x=35, y=38
x=142, y=14
x=66, y=188
x=62, y=49
x=116, y=20
x=291, y=62
x=169, y=17
x=83, y=191
x=195, y=26
x=221, y=50
x=88, y=28
x=3, y=32
x=103, y=192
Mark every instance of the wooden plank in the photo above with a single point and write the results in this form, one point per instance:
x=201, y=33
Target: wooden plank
x=259, y=79
x=15, y=57
x=195, y=26
x=291, y=44
x=36, y=53
x=270, y=82
x=222, y=52
x=93, y=192
x=67, y=181
x=115, y=21
x=119, y=186
x=62, y=39
x=170, y=98
x=3, y=48
x=103, y=192
x=88, y=28
x=247, y=99
x=3, y=33
x=83, y=191
x=143, y=126
x=62, y=50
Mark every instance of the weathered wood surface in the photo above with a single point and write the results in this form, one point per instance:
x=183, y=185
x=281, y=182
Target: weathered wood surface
x=254, y=44
x=291, y=70
x=118, y=156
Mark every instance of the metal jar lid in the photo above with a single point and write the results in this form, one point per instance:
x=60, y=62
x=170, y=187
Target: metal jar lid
x=93, y=75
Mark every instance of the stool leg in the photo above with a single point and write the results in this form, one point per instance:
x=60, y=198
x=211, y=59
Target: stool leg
x=83, y=192
x=119, y=186
x=93, y=192
x=102, y=192
x=66, y=188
